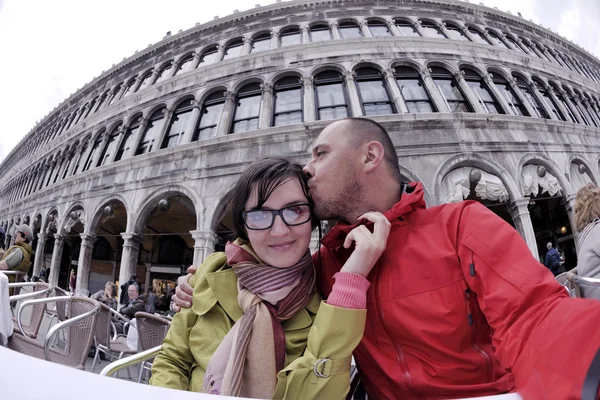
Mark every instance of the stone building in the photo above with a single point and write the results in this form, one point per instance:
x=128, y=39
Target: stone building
x=129, y=174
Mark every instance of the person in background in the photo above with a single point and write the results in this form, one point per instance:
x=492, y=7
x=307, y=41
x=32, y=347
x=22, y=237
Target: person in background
x=108, y=296
x=72, y=281
x=587, y=223
x=18, y=256
x=151, y=301
x=552, y=259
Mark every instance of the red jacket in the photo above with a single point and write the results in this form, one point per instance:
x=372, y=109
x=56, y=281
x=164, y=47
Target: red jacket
x=458, y=307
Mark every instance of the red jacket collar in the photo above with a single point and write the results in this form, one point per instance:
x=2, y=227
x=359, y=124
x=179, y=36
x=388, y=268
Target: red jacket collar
x=410, y=201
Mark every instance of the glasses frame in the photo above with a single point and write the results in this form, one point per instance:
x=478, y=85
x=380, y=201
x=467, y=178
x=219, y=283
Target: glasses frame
x=275, y=213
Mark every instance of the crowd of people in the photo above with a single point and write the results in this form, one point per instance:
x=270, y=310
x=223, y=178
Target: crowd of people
x=432, y=302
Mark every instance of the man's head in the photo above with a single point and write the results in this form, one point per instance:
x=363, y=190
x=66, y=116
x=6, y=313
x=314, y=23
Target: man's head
x=549, y=245
x=133, y=291
x=23, y=234
x=353, y=169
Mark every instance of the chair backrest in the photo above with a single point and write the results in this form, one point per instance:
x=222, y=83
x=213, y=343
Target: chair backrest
x=590, y=287
x=81, y=333
x=566, y=279
x=102, y=332
x=151, y=330
x=37, y=311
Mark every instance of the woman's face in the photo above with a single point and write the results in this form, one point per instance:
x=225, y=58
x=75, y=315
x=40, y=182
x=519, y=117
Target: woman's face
x=281, y=245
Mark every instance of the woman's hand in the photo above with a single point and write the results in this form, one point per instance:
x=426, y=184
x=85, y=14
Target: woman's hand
x=184, y=292
x=368, y=246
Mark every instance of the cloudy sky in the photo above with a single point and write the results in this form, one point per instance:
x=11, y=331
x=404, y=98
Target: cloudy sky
x=49, y=49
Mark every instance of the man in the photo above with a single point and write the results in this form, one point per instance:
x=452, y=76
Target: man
x=135, y=304
x=552, y=259
x=18, y=256
x=457, y=306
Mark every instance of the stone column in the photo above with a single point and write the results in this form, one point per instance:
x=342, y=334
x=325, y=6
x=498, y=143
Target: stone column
x=56, y=258
x=393, y=29
x=220, y=53
x=309, y=99
x=524, y=100
x=274, y=40
x=561, y=107
x=204, y=245
x=520, y=215
x=224, y=124
x=353, y=98
x=436, y=97
x=135, y=140
x=84, y=264
x=572, y=107
x=85, y=155
x=470, y=96
x=335, y=31
x=589, y=109
x=397, y=98
x=163, y=130
x=305, y=34
x=118, y=140
x=39, y=254
x=541, y=99
x=364, y=28
x=99, y=150
x=192, y=123
x=247, y=46
x=147, y=278
x=129, y=257
x=500, y=98
x=266, y=112
x=445, y=30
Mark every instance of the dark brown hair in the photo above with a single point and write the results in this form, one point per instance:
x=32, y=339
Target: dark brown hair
x=266, y=174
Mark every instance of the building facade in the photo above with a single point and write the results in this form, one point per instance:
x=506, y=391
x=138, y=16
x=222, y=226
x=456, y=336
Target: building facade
x=129, y=175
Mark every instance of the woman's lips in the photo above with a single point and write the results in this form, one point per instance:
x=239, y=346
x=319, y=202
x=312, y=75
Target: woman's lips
x=282, y=246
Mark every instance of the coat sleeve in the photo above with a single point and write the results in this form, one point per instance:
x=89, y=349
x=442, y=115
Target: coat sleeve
x=333, y=337
x=546, y=339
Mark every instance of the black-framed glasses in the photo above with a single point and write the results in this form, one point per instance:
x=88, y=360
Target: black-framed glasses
x=259, y=220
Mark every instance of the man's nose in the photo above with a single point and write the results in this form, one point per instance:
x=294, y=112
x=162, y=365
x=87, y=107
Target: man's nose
x=308, y=170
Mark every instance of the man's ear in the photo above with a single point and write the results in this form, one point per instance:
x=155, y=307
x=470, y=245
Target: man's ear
x=374, y=154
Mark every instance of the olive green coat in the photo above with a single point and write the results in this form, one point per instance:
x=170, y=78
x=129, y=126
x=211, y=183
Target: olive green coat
x=318, y=331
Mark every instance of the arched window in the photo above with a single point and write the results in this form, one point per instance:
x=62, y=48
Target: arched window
x=102, y=100
x=288, y=101
x=540, y=50
x=109, y=148
x=290, y=36
x=209, y=56
x=233, y=49
x=320, y=32
x=449, y=90
x=515, y=44
x=482, y=92
x=495, y=38
x=209, y=116
x=530, y=96
x=185, y=64
x=413, y=90
x=91, y=107
x=373, y=92
x=82, y=111
x=378, y=28
x=164, y=72
x=569, y=95
x=548, y=100
x=247, y=109
x=586, y=108
x=145, y=81
x=261, y=42
x=350, y=30
x=431, y=30
x=126, y=143
x=406, y=28
x=477, y=36
x=95, y=148
x=595, y=107
x=330, y=96
x=557, y=58
x=151, y=132
x=565, y=60
x=562, y=101
x=128, y=88
x=177, y=125
x=455, y=32
x=514, y=103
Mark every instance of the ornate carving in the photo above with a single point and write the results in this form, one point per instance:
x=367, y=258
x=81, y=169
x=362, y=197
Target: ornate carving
x=267, y=87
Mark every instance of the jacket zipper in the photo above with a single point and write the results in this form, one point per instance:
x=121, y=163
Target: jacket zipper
x=407, y=378
x=475, y=347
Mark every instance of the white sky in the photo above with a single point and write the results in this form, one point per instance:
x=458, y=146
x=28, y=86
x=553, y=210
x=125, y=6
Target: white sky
x=49, y=49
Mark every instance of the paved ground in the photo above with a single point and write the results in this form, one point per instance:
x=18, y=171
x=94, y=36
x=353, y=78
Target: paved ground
x=45, y=326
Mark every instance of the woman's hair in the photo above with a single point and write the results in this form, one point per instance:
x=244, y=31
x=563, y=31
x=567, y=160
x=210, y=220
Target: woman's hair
x=267, y=174
x=113, y=288
x=587, y=206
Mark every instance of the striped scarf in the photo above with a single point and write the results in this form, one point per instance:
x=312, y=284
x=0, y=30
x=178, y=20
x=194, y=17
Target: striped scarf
x=253, y=351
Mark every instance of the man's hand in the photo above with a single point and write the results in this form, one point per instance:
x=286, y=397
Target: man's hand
x=183, y=292
x=368, y=246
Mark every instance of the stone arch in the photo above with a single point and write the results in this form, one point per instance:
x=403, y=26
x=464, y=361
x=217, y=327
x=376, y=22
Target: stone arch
x=283, y=74
x=369, y=64
x=405, y=62
x=245, y=81
x=95, y=216
x=328, y=67
x=139, y=217
x=478, y=161
x=575, y=158
x=67, y=221
x=551, y=166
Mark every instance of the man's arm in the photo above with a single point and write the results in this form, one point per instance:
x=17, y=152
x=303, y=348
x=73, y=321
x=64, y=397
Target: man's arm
x=545, y=338
x=13, y=260
x=129, y=311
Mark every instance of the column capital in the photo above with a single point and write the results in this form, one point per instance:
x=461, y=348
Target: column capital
x=334, y=24
x=519, y=207
x=266, y=87
x=426, y=72
x=460, y=74
x=87, y=238
x=196, y=103
x=200, y=235
x=307, y=80
x=389, y=74
x=247, y=39
x=131, y=239
x=41, y=236
x=229, y=95
x=58, y=238
x=349, y=75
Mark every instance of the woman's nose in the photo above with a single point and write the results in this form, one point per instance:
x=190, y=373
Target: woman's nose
x=279, y=227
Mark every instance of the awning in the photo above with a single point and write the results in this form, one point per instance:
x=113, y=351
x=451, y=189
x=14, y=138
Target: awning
x=456, y=186
x=532, y=182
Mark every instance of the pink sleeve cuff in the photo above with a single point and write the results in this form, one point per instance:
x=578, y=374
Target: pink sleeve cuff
x=349, y=291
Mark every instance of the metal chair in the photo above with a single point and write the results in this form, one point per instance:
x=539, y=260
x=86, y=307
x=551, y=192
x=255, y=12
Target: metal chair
x=80, y=328
x=152, y=330
x=127, y=362
x=590, y=287
x=566, y=279
x=14, y=276
x=40, y=290
x=105, y=343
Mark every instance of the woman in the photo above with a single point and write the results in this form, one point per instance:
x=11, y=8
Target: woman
x=587, y=223
x=107, y=296
x=258, y=327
